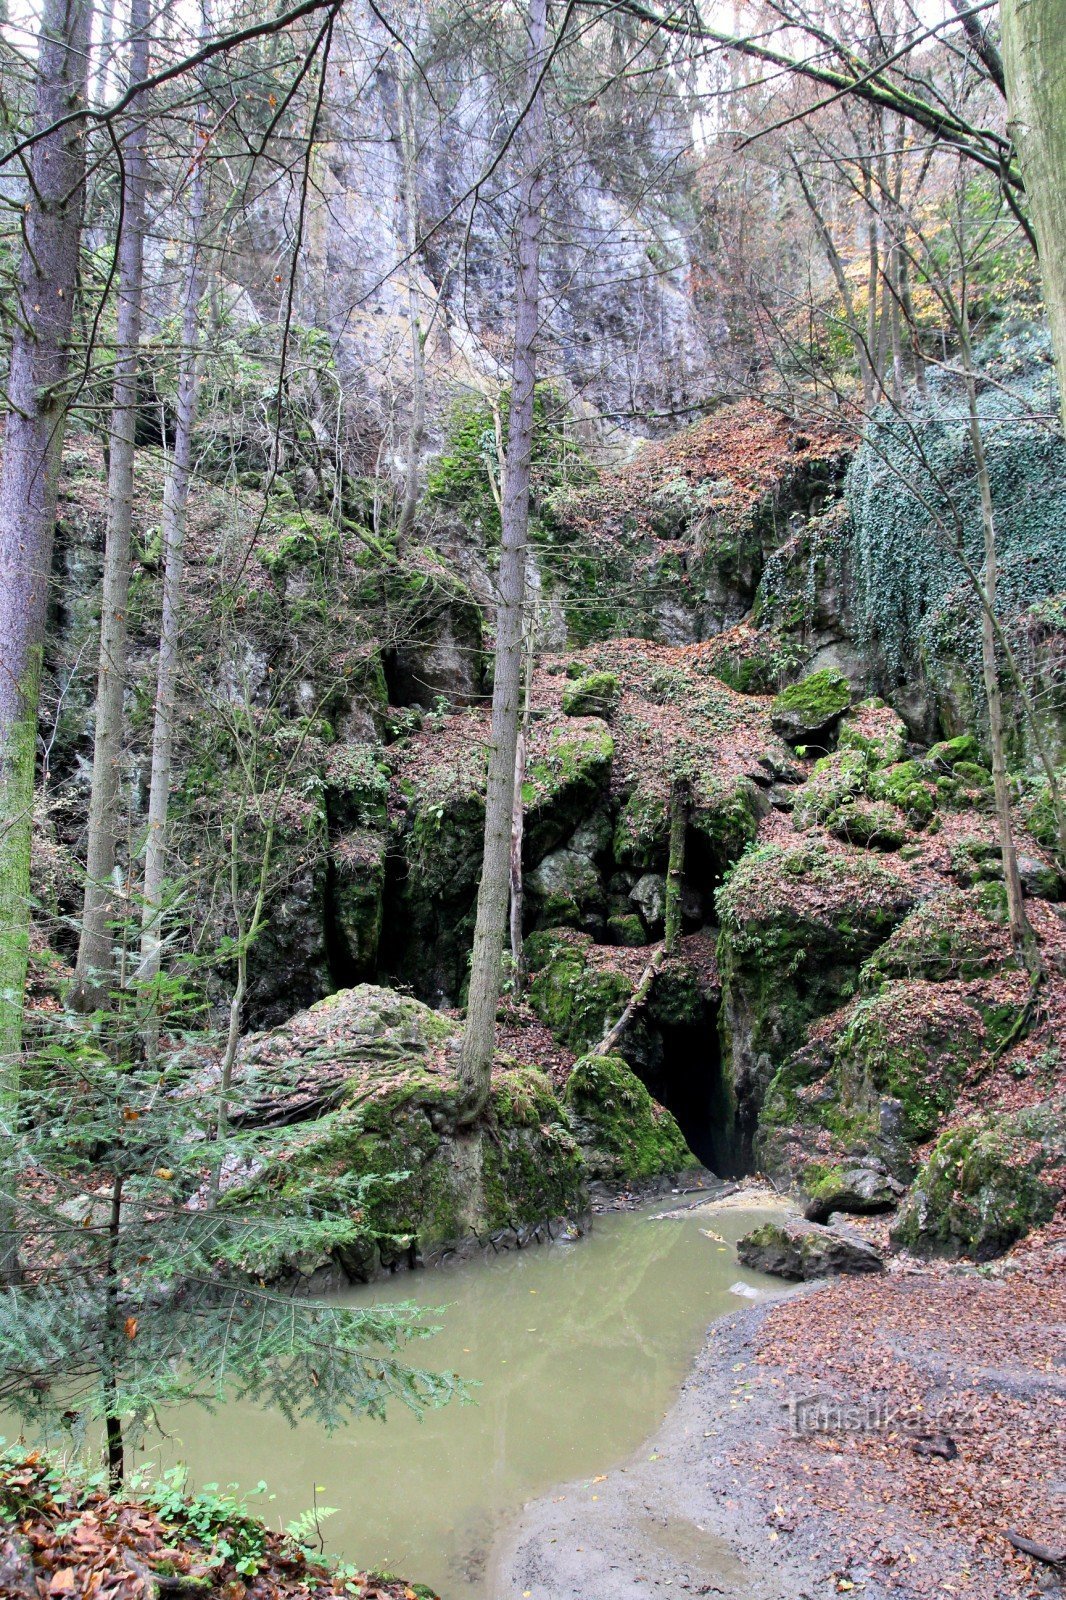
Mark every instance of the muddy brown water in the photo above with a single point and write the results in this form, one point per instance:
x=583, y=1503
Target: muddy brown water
x=578, y=1349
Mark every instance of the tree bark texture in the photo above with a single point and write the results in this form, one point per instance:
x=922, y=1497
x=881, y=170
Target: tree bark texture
x=95, y=943
x=491, y=923
x=175, y=512
x=32, y=446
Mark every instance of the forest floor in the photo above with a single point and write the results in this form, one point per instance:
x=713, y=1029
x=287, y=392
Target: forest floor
x=63, y=1538
x=874, y=1437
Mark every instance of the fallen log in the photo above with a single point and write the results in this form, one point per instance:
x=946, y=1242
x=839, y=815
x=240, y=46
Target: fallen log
x=1036, y=1552
x=636, y=1000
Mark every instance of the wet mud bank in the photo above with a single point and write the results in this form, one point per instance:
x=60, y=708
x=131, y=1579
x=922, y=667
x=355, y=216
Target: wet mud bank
x=892, y=1440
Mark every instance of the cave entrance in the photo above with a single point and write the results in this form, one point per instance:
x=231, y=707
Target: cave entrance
x=687, y=1080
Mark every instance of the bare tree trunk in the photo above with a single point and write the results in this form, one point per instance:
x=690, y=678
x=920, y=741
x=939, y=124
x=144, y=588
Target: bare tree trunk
x=675, y=871
x=518, y=818
x=175, y=503
x=95, y=944
x=417, y=433
x=1021, y=932
x=32, y=447
x=1035, y=66
x=246, y=937
x=475, y=1067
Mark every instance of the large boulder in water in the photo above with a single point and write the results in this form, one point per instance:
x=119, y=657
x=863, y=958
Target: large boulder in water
x=802, y=1250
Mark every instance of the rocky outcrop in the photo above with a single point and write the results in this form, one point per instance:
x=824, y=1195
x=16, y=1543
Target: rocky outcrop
x=803, y=1250
x=624, y=1135
x=797, y=921
x=986, y=1182
x=363, y=1087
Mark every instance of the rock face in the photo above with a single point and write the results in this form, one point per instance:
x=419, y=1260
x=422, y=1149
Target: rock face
x=624, y=1135
x=796, y=924
x=364, y=1085
x=803, y=1250
x=986, y=1183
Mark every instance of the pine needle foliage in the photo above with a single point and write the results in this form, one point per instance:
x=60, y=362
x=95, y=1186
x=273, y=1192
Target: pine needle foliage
x=152, y=1268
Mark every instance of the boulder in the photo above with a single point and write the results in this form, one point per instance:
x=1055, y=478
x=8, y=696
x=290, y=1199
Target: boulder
x=803, y=1250
x=812, y=708
x=364, y=1086
x=986, y=1183
x=858, y=1188
x=624, y=1134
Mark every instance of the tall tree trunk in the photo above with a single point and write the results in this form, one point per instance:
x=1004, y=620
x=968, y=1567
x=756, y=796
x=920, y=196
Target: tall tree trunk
x=518, y=820
x=1034, y=59
x=475, y=1066
x=1021, y=932
x=32, y=447
x=175, y=504
x=93, y=974
x=417, y=432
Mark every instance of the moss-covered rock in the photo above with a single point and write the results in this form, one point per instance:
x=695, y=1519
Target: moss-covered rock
x=363, y=1086
x=624, y=1134
x=796, y=925
x=594, y=694
x=811, y=708
x=357, y=895
x=879, y=1077
x=943, y=757
x=904, y=785
x=949, y=935
x=574, y=988
x=805, y=1250
x=876, y=730
x=872, y=823
x=987, y=1183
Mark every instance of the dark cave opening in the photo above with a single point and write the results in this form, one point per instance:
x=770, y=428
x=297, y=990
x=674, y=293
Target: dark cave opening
x=686, y=1077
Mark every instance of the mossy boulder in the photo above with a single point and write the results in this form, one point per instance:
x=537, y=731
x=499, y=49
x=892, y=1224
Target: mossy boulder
x=575, y=988
x=805, y=1250
x=876, y=730
x=624, y=1134
x=944, y=756
x=363, y=1086
x=594, y=694
x=904, y=784
x=874, y=824
x=797, y=922
x=879, y=1077
x=811, y=708
x=987, y=1183
x=949, y=935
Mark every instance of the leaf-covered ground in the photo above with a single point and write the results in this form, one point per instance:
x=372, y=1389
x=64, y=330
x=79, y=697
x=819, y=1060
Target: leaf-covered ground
x=966, y=1372
x=60, y=1539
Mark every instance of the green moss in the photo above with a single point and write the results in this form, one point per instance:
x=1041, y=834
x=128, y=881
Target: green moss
x=905, y=785
x=595, y=694
x=972, y=775
x=813, y=704
x=950, y=935
x=987, y=1183
x=577, y=1001
x=943, y=756
x=427, y=1184
x=876, y=730
x=625, y=928
x=625, y=1135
